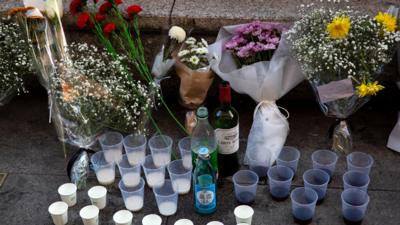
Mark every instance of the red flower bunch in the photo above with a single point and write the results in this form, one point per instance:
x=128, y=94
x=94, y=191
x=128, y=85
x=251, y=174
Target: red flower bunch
x=108, y=28
x=133, y=10
x=83, y=19
x=105, y=7
x=76, y=6
x=99, y=17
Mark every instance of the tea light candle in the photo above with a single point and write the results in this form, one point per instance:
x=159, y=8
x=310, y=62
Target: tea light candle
x=152, y=219
x=105, y=176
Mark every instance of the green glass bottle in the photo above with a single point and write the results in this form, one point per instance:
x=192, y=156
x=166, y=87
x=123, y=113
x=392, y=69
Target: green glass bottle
x=226, y=124
x=204, y=184
x=203, y=136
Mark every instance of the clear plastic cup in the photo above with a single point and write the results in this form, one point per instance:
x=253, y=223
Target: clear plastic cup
x=243, y=214
x=161, y=149
x=325, y=160
x=318, y=180
x=180, y=176
x=89, y=215
x=245, y=183
x=67, y=193
x=130, y=174
x=356, y=179
x=98, y=196
x=360, y=161
x=135, y=148
x=123, y=217
x=280, y=181
x=304, y=201
x=258, y=166
x=133, y=196
x=105, y=171
x=59, y=212
x=155, y=176
x=289, y=157
x=167, y=198
x=354, y=205
x=111, y=143
x=151, y=219
x=186, y=152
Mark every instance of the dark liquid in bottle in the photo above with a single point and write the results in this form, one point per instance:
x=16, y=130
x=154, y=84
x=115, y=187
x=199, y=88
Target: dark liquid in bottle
x=301, y=214
x=228, y=164
x=246, y=198
x=261, y=171
x=279, y=194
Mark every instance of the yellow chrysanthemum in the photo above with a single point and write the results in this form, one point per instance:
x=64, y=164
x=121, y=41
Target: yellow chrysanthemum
x=339, y=27
x=387, y=20
x=370, y=88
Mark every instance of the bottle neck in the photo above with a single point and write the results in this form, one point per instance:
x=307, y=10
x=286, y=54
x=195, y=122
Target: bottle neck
x=225, y=96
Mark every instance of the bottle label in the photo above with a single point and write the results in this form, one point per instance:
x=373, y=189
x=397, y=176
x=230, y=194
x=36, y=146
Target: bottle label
x=228, y=140
x=205, y=196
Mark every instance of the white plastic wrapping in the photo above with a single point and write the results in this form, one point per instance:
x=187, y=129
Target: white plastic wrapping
x=265, y=82
x=160, y=67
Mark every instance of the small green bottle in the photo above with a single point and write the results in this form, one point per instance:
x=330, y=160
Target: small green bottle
x=204, y=183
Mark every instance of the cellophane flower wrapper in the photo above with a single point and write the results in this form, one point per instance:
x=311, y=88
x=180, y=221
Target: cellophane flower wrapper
x=265, y=82
x=6, y=96
x=161, y=67
x=194, y=84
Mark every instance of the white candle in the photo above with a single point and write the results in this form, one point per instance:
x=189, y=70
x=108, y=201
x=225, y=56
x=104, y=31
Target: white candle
x=131, y=179
x=136, y=157
x=187, y=161
x=105, y=176
x=161, y=159
x=113, y=155
x=182, y=186
x=155, y=179
x=167, y=208
x=134, y=203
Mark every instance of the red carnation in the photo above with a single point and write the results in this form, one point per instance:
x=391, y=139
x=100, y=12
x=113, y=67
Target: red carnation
x=134, y=9
x=83, y=20
x=75, y=6
x=100, y=17
x=118, y=2
x=108, y=28
x=105, y=7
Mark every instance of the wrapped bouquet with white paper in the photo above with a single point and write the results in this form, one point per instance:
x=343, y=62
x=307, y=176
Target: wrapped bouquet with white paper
x=342, y=57
x=256, y=60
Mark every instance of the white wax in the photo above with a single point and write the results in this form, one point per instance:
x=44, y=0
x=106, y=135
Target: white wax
x=105, y=176
x=113, y=155
x=155, y=179
x=167, y=208
x=136, y=157
x=131, y=179
x=182, y=186
x=161, y=159
x=187, y=161
x=134, y=203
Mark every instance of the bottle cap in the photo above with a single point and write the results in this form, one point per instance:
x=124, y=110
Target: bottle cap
x=225, y=92
x=203, y=152
x=202, y=112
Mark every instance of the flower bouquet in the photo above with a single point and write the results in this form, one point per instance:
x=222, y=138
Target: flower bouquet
x=194, y=71
x=15, y=63
x=164, y=60
x=256, y=60
x=342, y=52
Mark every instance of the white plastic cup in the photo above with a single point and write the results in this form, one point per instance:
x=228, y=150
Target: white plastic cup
x=123, y=217
x=152, y=219
x=98, y=196
x=135, y=148
x=183, y=222
x=90, y=215
x=155, y=176
x=186, y=152
x=244, y=214
x=161, y=148
x=111, y=144
x=105, y=171
x=59, y=212
x=215, y=223
x=67, y=193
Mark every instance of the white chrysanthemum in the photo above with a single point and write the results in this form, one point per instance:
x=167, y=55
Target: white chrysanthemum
x=202, y=51
x=190, y=41
x=205, y=43
x=177, y=33
x=183, y=53
x=194, y=60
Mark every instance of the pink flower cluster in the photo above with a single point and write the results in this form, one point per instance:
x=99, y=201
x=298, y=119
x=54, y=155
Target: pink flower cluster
x=255, y=41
